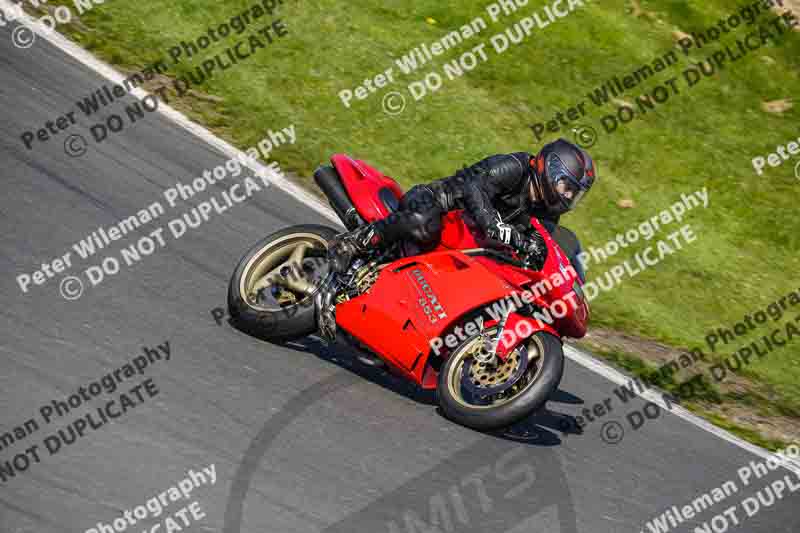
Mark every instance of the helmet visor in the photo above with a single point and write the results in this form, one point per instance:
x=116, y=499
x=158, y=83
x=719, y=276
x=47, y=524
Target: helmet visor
x=564, y=184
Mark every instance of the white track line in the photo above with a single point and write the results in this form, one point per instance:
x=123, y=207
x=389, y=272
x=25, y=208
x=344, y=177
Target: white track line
x=653, y=395
x=305, y=197
x=179, y=118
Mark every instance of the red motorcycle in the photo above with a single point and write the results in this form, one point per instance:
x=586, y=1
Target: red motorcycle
x=470, y=321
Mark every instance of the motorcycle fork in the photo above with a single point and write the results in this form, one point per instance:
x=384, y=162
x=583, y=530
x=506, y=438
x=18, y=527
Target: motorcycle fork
x=490, y=344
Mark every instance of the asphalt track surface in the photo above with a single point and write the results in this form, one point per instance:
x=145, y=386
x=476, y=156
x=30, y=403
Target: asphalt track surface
x=302, y=438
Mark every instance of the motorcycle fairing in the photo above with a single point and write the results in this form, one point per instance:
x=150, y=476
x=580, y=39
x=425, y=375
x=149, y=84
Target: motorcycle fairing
x=416, y=300
x=455, y=233
x=574, y=324
x=373, y=194
x=553, y=283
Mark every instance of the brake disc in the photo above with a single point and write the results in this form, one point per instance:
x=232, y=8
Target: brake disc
x=482, y=379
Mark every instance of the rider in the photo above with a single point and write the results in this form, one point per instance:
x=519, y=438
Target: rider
x=499, y=194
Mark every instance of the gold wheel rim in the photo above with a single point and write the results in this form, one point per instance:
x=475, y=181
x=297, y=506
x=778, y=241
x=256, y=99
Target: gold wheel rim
x=270, y=258
x=536, y=356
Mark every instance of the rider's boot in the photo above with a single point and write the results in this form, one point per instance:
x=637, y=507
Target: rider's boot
x=345, y=247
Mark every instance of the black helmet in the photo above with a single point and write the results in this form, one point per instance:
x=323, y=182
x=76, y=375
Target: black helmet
x=562, y=174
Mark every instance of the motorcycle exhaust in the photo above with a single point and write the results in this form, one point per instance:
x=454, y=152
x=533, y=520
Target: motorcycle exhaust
x=328, y=181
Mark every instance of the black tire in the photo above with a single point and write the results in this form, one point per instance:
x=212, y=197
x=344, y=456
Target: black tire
x=283, y=323
x=532, y=398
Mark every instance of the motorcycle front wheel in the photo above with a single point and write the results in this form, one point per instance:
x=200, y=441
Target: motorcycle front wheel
x=467, y=387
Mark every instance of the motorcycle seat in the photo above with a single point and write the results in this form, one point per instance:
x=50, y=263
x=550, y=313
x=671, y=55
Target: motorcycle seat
x=389, y=199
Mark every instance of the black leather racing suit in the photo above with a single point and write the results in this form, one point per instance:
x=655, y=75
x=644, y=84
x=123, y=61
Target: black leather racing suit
x=500, y=188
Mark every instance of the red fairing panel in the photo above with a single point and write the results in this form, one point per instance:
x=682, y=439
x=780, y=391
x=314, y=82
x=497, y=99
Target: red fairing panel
x=416, y=300
x=363, y=184
x=455, y=233
x=558, y=267
x=552, y=288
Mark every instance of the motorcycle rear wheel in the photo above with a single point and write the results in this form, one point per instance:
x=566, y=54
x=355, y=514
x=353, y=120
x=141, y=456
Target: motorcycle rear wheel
x=542, y=376
x=271, y=292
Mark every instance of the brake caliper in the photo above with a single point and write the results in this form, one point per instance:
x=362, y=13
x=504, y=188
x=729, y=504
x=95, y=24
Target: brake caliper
x=482, y=378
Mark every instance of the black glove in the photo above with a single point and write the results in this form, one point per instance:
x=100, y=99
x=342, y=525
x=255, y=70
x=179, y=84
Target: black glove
x=535, y=250
x=506, y=234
